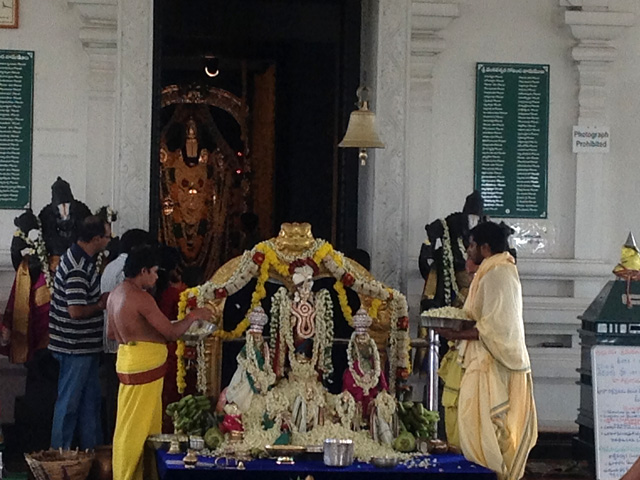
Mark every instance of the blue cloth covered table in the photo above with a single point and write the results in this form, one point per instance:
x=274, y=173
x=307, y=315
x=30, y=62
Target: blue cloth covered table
x=444, y=467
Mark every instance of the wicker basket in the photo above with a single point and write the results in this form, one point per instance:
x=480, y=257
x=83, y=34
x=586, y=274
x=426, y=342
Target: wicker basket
x=59, y=464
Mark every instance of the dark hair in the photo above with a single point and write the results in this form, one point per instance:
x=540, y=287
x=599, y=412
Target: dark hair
x=92, y=226
x=141, y=257
x=491, y=234
x=361, y=256
x=134, y=238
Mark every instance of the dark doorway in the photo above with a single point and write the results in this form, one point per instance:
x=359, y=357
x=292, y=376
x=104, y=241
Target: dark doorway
x=314, y=49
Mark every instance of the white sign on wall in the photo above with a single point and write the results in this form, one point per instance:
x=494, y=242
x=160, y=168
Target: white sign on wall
x=616, y=408
x=590, y=139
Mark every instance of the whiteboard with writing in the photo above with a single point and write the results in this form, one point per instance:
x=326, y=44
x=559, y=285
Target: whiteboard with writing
x=616, y=405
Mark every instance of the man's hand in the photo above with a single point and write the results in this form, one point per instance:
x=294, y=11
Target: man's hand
x=102, y=302
x=451, y=334
x=203, y=314
x=5, y=336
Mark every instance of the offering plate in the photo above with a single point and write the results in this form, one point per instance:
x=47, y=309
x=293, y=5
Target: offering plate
x=430, y=321
x=198, y=331
x=285, y=454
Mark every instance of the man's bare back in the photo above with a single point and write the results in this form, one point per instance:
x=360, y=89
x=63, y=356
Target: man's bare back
x=134, y=316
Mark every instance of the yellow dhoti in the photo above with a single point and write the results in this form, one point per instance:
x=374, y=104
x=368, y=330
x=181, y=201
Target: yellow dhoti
x=141, y=367
x=451, y=373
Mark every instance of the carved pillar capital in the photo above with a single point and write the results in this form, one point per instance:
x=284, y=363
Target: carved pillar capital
x=428, y=18
x=595, y=24
x=98, y=33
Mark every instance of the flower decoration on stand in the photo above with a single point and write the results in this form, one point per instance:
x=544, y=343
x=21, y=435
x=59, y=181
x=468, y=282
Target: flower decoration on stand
x=38, y=248
x=266, y=259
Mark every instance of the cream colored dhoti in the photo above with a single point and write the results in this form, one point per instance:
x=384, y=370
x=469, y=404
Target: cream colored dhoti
x=497, y=418
x=141, y=367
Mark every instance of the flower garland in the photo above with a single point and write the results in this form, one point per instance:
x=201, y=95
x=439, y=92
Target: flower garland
x=367, y=379
x=448, y=266
x=385, y=406
x=280, y=309
x=346, y=408
x=181, y=371
x=264, y=256
x=40, y=249
x=263, y=378
x=201, y=367
x=323, y=340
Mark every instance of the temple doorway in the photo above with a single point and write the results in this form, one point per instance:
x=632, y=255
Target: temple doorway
x=254, y=136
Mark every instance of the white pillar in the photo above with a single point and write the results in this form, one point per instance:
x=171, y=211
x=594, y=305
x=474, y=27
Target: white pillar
x=595, y=25
x=383, y=208
x=131, y=175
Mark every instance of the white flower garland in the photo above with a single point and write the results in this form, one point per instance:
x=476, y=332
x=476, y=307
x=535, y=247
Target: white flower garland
x=448, y=265
x=40, y=249
x=386, y=406
x=346, y=408
x=201, y=367
x=263, y=378
x=395, y=358
x=368, y=379
x=322, y=342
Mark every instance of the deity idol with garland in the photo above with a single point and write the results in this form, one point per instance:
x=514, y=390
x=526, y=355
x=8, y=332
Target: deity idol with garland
x=254, y=374
x=302, y=329
x=364, y=377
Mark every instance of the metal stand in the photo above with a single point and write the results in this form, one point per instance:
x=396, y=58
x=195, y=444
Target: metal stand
x=431, y=399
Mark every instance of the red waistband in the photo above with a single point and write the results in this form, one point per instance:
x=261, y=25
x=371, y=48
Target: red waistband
x=143, y=377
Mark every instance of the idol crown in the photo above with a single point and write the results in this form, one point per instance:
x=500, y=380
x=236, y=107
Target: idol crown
x=258, y=319
x=361, y=321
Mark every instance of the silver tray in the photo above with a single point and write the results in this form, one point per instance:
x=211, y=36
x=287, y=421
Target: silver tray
x=198, y=331
x=429, y=321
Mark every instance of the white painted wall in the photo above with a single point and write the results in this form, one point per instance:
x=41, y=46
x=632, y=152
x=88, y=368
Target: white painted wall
x=59, y=133
x=556, y=287
x=60, y=101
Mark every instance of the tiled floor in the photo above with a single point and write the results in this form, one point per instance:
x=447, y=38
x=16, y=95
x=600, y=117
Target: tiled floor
x=558, y=469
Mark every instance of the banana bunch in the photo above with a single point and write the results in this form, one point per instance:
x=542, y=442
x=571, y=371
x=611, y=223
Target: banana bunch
x=413, y=417
x=191, y=415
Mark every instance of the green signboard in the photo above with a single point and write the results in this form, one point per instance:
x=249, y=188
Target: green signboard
x=512, y=137
x=16, y=125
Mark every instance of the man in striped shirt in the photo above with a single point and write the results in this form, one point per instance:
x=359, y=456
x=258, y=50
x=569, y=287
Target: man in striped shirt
x=75, y=337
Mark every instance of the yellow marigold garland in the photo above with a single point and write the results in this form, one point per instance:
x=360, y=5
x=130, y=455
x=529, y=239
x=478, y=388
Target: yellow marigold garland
x=344, y=304
x=181, y=371
x=373, y=309
x=322, y=252
x=258, y=294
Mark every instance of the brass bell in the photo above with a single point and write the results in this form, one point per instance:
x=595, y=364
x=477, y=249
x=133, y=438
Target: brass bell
x=361, y=131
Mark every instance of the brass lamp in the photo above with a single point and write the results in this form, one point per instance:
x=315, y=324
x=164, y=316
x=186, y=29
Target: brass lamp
x=361, y=131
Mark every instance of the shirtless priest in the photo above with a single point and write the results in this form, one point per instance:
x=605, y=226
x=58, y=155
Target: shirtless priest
x=142, y=331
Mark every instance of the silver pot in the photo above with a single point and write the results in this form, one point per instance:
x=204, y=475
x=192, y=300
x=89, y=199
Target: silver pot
x=338, y=453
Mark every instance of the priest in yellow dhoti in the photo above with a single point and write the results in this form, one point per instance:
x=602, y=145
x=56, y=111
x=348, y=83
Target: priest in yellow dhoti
x=497, y=422
x=142, y=331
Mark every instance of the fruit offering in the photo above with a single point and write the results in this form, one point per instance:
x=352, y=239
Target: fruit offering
x=191, y=415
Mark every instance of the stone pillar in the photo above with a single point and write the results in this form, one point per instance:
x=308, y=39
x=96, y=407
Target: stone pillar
x=595, y=25
x=133, y=113
x=428, y=19
x=98, y=34
x=383, y=209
